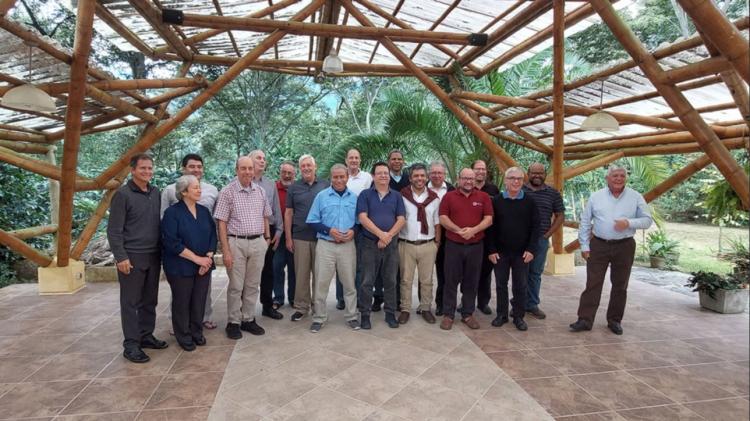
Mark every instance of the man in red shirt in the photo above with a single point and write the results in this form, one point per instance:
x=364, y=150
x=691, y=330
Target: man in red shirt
x=282, y=257
x=464, y=213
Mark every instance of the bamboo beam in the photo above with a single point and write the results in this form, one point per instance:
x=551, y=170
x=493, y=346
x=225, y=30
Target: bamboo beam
x=150, y=138
x=118, y=103
x=93, y=223
x=21, y=129
x=435, y=24
x=504, y=137
x=23, y=137
x=529, y=138
x=24, y=249
x=330, y=16
x=591, y=164
x=32, y=165
x=720, y=32
x=107, y=17
x=542, y=109
x=122, y=85
x=503, y=159
x=709, y=66
x=5, y=6
x=217, y=6
x=153, y=16
x=23, y=147
x=680, y=148
x=737, y=88
x=476, y=107
x=628, y=118
x=71, y=144
x=497, y=99
x=706, y=138
x=26, y=233
x=558, y=107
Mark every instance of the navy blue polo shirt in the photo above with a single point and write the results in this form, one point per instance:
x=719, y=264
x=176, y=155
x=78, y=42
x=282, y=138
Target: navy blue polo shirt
x=382, y=212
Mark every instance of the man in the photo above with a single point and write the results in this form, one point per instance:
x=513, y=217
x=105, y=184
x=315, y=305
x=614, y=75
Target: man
x=381, y=213
x=440, y=187
x=418, y=243
x=301, y=239
x=358, y=179
x=282, y=257
x=277, y=229
x=243, y=212
x=465, y=214
x=484, y=290
x=192, y=164
x=333, y=217
x=514, y=231
x=612, y=215
x=133, y=234
x=549, y=203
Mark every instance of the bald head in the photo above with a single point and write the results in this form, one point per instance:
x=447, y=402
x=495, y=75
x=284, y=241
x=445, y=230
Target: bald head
x=245, y=170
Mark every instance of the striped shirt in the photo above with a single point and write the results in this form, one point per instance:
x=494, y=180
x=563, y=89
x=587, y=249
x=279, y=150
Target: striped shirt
x=548, y=201
x=243, y=208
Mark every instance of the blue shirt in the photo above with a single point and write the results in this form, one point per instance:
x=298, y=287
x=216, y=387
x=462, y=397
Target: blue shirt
x=333, y=210
x=519, y=196
x=382, y=212
x=180, y=230
x=603, y=208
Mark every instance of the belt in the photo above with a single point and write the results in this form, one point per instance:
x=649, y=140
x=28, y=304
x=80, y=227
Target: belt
x=418, y=242
x=619, y=240
x=246, y=237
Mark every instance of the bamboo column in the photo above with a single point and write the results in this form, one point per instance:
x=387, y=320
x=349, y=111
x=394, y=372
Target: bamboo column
x=692, y=120
x=504, y=160
x=54, y=196
x=76, y=99
x=558, y=107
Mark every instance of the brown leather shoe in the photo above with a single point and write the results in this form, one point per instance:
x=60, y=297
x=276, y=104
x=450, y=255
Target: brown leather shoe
x=471, y=322
x=447, y=323
x=428, y=317
x=403, y=317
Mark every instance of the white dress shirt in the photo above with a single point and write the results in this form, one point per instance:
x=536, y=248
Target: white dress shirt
x=440, y=191
x=412, y=229
x=359, y=182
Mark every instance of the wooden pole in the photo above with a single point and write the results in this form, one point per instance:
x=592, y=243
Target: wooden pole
x=505, y=137
x=26, y=233
x=23, y=147
x=709, y=66
x=24, y=249
x=706, y=138
x=5, y=6
x=591, y=164
x=53, y=186
x=23, y=137
x=76, y=99
x=122, y=84
x=529, y=138
x=105, y=15
x=681, y=148
x=93, y=223
x=118, y=103
x=558, y=107
x=153, y=16
x=504, y=160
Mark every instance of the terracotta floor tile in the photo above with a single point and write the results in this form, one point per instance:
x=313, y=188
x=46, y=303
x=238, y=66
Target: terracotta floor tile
x=620, y=390
x=317, y=365
x=322, y=404
x=677, y=353
x=114, y=395
x=264, y=393
x=494, y=340
x=729, y=349
x=601, y=416
x=16, y=369
x=726, y=409
x=628, y=355
x=523, y=364
x=728, y=376
x=72, y=367
x=574, y=360
x=561, y=396
x=183, y=390
x=661, y=413
x=38, y=344
x=185, y=414
x=429, y=402
x=381, y=384
x=44, y=399
x=203, y=359
x=680, y=385
x=23, y=327
x=111, y=416
x=161, y=361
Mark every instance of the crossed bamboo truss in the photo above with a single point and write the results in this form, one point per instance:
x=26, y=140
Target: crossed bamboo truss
x=94, y=101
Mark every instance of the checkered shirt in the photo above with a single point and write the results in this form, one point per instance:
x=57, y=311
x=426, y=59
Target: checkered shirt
x=243, y=209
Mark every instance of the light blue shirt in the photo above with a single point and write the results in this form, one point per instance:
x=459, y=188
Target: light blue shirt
x=519, y=196
x=603, y=208
x=334, y=211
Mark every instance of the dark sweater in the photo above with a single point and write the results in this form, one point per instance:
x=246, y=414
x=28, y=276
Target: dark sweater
x=515, y=226
x=134, y=221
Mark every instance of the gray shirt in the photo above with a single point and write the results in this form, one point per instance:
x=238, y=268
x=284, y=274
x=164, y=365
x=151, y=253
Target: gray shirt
x=299, y=197
x=272, y=195
x=209, y=194
x=134, y=221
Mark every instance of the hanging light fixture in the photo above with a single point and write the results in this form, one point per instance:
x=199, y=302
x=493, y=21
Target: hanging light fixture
x=600, y=120
x=28, y=97
x=332, y=63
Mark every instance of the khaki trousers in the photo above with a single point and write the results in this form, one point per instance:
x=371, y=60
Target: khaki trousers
x=332, y=258
x=244, y=277
x=304, y=259
x=422, y=258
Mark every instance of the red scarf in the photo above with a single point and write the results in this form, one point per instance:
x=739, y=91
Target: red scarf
x=408, y=194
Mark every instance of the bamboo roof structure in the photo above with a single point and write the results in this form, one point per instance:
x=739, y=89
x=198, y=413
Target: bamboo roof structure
x=689, y=96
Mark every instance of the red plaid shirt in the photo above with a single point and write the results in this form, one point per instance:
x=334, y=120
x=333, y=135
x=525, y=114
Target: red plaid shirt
x=242, y=208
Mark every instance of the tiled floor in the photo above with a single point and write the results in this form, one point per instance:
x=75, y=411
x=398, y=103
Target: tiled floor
x=60, y=358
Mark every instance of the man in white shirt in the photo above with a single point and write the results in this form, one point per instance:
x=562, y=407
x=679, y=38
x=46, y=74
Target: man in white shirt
x=441, y=187
x=418, y=243
x=358, y=179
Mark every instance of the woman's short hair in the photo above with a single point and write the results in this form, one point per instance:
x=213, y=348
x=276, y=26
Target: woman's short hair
x=182, y=184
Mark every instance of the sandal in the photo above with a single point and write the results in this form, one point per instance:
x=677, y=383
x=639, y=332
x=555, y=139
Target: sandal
x=208, y=324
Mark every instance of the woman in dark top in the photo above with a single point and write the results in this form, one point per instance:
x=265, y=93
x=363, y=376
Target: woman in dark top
x=189, y=240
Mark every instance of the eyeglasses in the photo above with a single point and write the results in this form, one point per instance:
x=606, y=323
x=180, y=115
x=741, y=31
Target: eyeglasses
x=466, y=178
x=514, y=178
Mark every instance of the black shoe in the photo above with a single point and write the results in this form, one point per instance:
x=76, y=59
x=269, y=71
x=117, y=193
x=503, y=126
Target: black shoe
x=200, y=341
x=377, y=302
x=187, y=346
x=252, y=327
x=520, y=324
x=365, y=322
x=537, y=312
x=297, y=316
x=153, y=343
x=500, y=320
x=438, y=311
x=233, y=331
x=391, y=320
x=340, y=305
x=615, y=327
x=271, y=312
x=135, y=355
x=579, y=326
x=486, y=310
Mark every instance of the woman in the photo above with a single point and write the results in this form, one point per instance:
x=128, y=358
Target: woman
x=188, y=236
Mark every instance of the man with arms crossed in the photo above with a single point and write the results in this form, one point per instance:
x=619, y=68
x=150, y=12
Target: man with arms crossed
x=282, y=257
x=440, y=187
x=484, y=289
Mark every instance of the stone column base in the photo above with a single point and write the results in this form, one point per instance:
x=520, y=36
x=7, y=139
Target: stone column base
x=55, y=280
x=560, y=264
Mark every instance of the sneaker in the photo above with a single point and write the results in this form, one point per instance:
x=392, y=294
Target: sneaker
x=354, y=324
x=365, y=323
x=520, y=324
x=297, y=316
x=151, y=342
x=233, y=331
x=252, y=327
x=499, y=321
x=340, y=305
x=537, y=312
x=315, y=327
x=391, y=320
x=376, y=304
x=135, y=355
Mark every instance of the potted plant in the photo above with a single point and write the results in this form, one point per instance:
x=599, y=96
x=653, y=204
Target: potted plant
x=661, y=249
x=722, y=294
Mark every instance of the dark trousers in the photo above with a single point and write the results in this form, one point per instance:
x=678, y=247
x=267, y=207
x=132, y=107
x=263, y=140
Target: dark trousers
x=378, y=263
x=484, y=288
x=188, y=304
x=282, y=258
x=462, y=266
x=507, y=265
x=440, y=274
x=266, y=276
x=139, y=291
x=618, y=256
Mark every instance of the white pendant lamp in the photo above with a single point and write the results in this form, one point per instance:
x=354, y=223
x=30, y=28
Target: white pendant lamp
x=600, y=121
x=27, y=97
x=332, y=63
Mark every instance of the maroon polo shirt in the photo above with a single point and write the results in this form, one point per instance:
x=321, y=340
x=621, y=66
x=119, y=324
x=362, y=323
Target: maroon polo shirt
x=466, y=211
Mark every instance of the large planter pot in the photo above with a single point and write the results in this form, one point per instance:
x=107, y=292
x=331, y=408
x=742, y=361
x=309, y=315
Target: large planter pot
x=726, y=301
x=658, y=262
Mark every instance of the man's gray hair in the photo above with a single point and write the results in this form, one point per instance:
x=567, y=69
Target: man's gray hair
x=615, y=167
x=512, y=170
x=339, y=167
x=182, y=184
x=438, y=164
x=255, y=152
x=306, y=156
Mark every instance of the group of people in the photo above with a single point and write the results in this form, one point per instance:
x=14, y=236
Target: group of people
x=374, y=233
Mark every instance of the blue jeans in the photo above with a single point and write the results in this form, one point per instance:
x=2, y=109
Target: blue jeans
x=536, y=267
x=283, y=258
